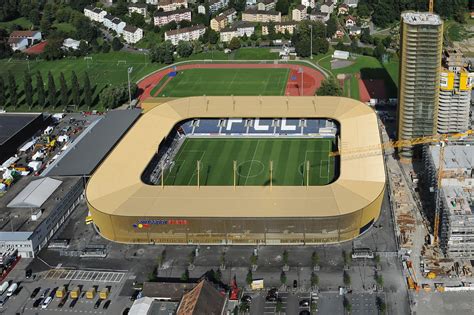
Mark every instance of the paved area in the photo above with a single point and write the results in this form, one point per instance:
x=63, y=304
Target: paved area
x=61, y=274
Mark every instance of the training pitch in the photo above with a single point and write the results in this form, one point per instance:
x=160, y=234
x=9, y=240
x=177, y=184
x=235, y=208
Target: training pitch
x=218, y=82
x=252, y=158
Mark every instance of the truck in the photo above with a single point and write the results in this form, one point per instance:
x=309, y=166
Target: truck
x=12, y=289
x=90, y=294
x=61, y=292
x=3, y=287
x=104, y=293
x=75, y=293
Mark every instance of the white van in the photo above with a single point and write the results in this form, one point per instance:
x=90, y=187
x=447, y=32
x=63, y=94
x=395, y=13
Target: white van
x=12, y=289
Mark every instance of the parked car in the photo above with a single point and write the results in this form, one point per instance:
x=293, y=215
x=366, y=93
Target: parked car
x=295, y=284
x=107, y=304
x=46, y=302
x=246, y=298
x=73, y=303
x=35, y=292
x=304, y=303
x=272, y=295
x=45, y=293
x=97, y=304
x=37, y=302
x=125, y=311
x=28, y=273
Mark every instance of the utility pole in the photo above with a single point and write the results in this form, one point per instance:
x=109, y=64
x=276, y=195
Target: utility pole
x=130, y=69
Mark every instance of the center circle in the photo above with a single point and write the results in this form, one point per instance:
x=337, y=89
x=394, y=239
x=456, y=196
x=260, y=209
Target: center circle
x=250, y=168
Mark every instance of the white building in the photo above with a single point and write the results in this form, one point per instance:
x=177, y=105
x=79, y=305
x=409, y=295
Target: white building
x=240, y=30
x=94, y=14
x=18, y=43
x=351, y=3
x=114, y=23
x=309, y=3
x=172, y=5
x=340, y=54
x=164, y=17
x=20, y=40
x=139, y=8
x=132, y=34
x=201, y=9
x=327, y=6
x=299, y=13
x=186, y=34
x=216, y=5
x=70, y=43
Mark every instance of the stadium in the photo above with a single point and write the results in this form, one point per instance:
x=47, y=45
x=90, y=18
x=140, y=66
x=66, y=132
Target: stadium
x=242, y=170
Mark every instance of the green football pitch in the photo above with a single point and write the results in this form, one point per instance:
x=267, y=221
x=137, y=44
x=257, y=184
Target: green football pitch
x=221, y=82
x=252, y=158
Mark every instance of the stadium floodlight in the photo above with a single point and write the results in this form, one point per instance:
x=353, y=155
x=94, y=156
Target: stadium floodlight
x=129, y=70
x=301, y=70
x=235, y=173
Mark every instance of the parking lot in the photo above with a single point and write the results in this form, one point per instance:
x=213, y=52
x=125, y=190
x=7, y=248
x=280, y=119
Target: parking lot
x=82, y=275
x=290, y=302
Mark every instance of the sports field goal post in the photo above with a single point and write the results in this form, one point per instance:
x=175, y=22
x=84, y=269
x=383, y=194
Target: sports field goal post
x=88, y=59
x=121, y=62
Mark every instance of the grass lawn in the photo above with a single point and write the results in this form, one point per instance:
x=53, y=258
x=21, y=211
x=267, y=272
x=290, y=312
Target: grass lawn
x=194, y=82
x=65, y=27
x=103, y=69
x=354, y=86
x=253, y=158
x=23, y=22
x=255, y=53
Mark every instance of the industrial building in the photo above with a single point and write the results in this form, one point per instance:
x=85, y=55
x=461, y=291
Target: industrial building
x=33, y=210
x=421, y=41
x=121, y=203
x=455, y=93
x=15, y=129
x=457, y=198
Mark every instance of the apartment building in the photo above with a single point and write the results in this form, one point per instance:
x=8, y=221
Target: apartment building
x=216, y=5
x=164, y=17
x=172, y=5
x=259, y=16
x=186, y=34
x=299, y=13
x=223, y=20
x=132, y=34
x=281, y=27
x=94, y=14
x=139, y=8
x=238, y=30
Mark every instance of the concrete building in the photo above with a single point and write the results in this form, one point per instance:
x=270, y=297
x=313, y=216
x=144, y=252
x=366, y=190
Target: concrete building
x=327, y=6
x=132, y=34
x=238, y=30
x=261, y=16
x=20, y=40
x=351, y=3
x=70, y=43
x=281, y=27
x=201, y=9
x=309, y=3
x=172, y=5
x=318, y=15
x=139, y=8
x=454, y=93
x=299, y=13
x=266, y=5
x=224, y=19
x=186, y=34
x=343, y=9
x=164, y=17
x=216, y=5
x=33, y=210
x=456, y=199
x=421, y=41
x=94, y=14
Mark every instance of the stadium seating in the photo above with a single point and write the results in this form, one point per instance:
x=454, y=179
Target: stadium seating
x=207, y=126
x=261, y=126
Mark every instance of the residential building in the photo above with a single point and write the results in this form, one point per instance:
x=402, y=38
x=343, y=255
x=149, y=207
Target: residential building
x=350, y=21
x=202, y=299
x=266, y=5
x=140, y=8
x=343, y=9
x=309, y=3
x=107, y=22
x=20, y=40
x=249, y=4
x=317, y=15
x=164, y=17
x=152, y=2
x=251, y=15
x=132, y=34
x=281, y=27
x=455, y=87
x=327, y=7
x=94, y=14
x=299, y=13
x=216, y=5
x=421, y=42
x=70, y=43
x=456, y=197
x=351, y=3
x=201, y=9
x=354, y=30
x=172, y=5
x=118, y=25
x=339, y=34
x=186, y=34
x=224, y=19
x=238, y=30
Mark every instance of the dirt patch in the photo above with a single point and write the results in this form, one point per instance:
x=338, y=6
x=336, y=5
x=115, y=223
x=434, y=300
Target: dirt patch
x=338, y=64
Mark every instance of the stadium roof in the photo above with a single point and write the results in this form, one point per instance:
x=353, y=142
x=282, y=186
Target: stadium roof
x=11, y=124
x=35, y=193
x=116, y=187
x=86, y=152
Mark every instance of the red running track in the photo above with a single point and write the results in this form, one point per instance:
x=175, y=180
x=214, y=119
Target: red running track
x=311, y=77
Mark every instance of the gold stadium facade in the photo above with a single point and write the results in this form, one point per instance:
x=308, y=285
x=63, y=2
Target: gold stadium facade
x=127, y=210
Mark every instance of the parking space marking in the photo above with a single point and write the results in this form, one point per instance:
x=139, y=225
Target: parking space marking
x=82, y=275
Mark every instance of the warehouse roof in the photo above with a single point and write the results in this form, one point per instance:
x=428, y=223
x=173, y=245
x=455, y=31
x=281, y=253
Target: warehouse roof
x=11, y=124
x=90, y=148
x=35, y=193
x=116, y=187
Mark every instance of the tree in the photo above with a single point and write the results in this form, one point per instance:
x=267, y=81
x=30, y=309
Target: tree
x=28, y=88
x=76, y=98
x=64, y=90
x=162, y=53
x=320, y=45
x=285, y=257
x=83, y=48
x=347, y=305
x=282, y=6
x=379, y=51
x=331, y=27
x=116, y=44
x=40, y=93
x=314, y=259
x=87, y=90
x=114, y=96
x=53, y=49
x=283, y=278
x=213, y=37
x=365, y=36
x=381, y=306
x=3, y=101
x=249, y=277
x=387, y=41
x=218, y=275
x=346, y=278
x=363, y=10
x=13, y=90
x=314, y=279
x=253, y=259
x=303, y=47
x=106, y=47
x=378, y=279
x=185, y=275
x=137, y=19
x=51, y=90
x=234, y=43
x=329, y=87
x=271, y=31
x=184, y=48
